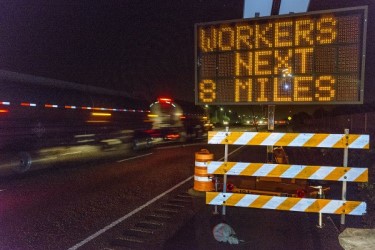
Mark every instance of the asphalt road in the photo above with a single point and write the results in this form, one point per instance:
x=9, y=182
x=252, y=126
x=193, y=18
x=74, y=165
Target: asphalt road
x=95, y=205
x=56, y=208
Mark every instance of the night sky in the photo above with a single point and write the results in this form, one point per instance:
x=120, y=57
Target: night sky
x=145, y=48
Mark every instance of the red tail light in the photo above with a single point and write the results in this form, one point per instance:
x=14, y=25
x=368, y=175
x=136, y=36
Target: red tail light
x=51, y=106
x=28, y=104
x=230, y=186
x=164, y=100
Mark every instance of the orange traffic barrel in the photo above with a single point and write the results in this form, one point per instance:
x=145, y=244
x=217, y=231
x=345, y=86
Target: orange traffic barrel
x=202, y=181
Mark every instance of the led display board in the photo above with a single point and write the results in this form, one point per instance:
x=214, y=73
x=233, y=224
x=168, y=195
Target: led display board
x=309, y=58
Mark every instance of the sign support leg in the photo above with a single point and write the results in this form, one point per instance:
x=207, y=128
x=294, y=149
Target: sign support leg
x=345, y=164
x=320, y=196
x=225, y=176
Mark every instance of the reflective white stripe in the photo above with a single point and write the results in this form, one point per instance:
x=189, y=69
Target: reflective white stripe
x=360, y=210
x=352, y=174
x=213, y=166
x=247, y=200
x=360, y=142
x=332, y=206
x=219, y=136
x=237, y=168
x=202, y=179
x=274, y=202
x=272, y=139
x=301, y=140
x=245, y=137
x=200, y=164
x=293, y=171
x=330, y=140
x=220, y=199
x=264, y=170
x=303, y=204
x=321, y=173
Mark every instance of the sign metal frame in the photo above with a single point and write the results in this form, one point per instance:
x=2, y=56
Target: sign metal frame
x=358, y=83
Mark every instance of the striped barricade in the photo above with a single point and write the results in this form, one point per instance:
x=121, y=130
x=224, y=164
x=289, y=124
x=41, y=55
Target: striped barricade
x=286, y=203
x=326, y=173
x=290, y=139
x=288, y=171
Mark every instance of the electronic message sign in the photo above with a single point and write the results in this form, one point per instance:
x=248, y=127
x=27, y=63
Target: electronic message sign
x=310, y=58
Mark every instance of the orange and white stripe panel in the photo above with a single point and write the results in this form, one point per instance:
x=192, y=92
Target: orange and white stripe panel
x=290, y=139
x=327, y=173
x=286, y=203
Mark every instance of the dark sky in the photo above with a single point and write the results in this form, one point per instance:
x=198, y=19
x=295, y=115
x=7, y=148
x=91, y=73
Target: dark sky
x=136, y=46
x=144, y=47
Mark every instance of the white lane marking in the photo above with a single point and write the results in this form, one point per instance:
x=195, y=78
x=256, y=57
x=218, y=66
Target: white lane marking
x=1, y=190
x=103, y=230
x=135, y=157
x=334, y=225
x=113, y=224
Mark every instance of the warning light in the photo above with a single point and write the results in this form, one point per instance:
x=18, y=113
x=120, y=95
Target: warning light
x=230, y=186
x=300, y=193
x=51, y=106
x=70, y=107
x=28, y=104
